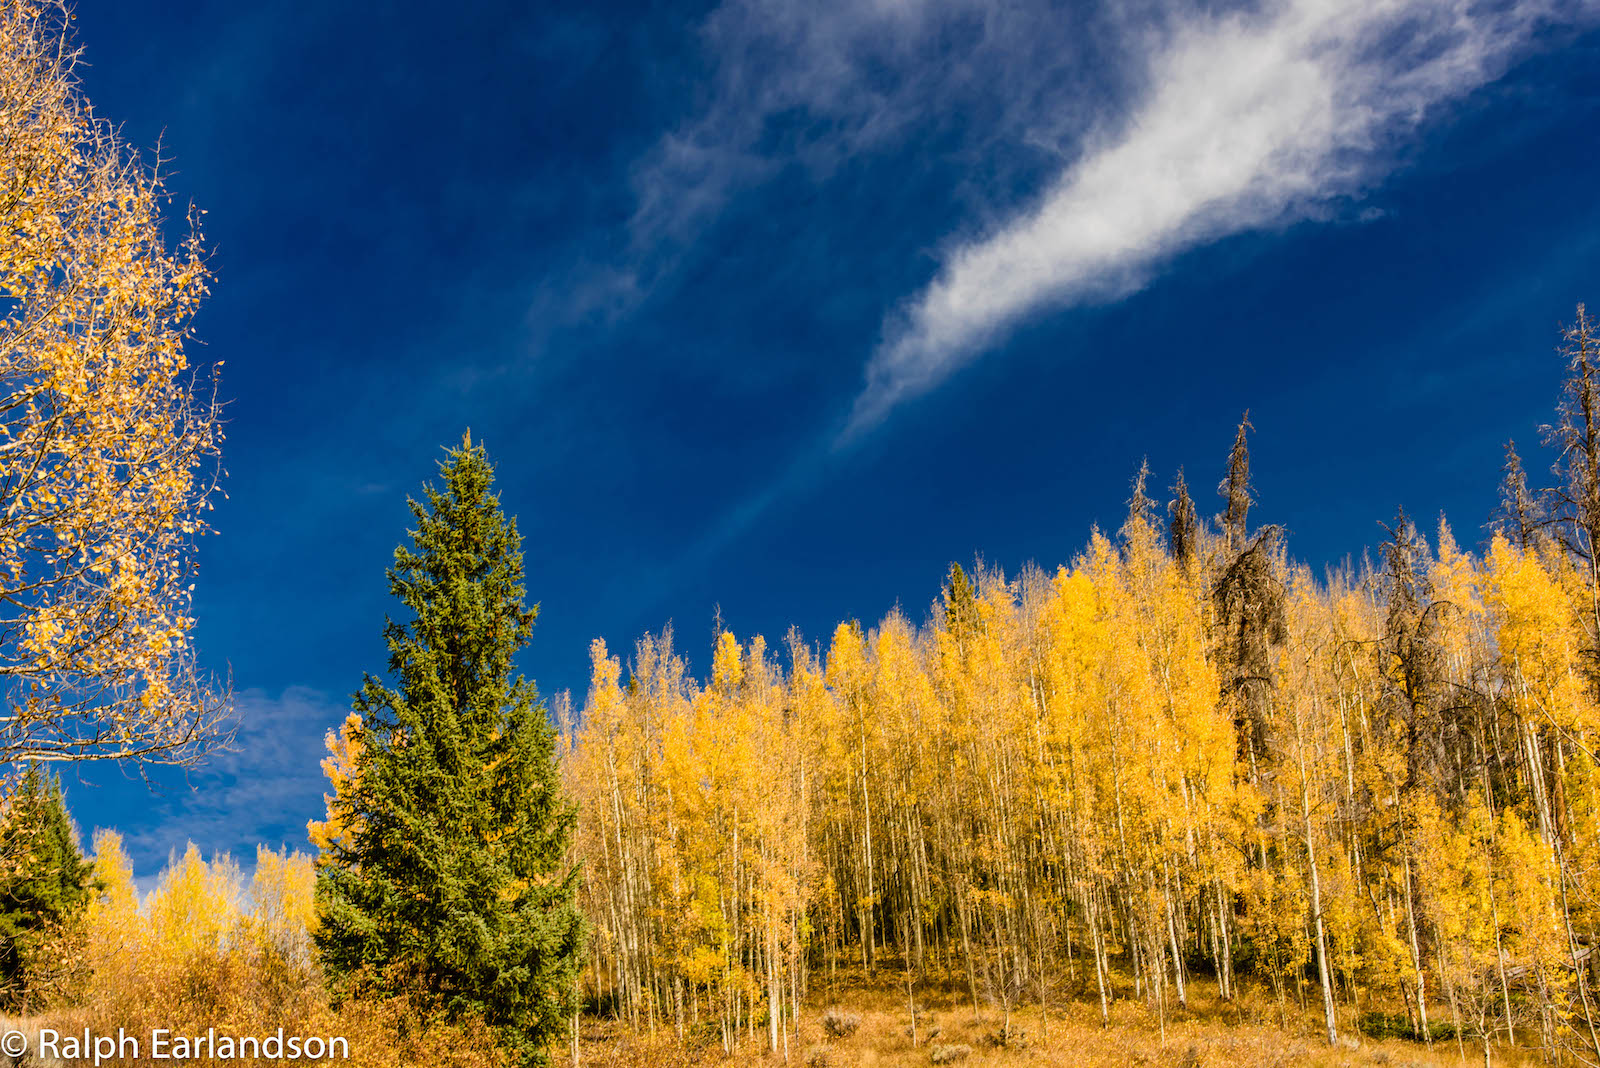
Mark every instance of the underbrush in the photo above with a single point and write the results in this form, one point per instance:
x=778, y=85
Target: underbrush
x=866, y=1021
x=379, y=1034
x=250, y=994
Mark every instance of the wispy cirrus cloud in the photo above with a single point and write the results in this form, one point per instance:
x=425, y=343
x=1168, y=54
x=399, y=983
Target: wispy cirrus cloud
x=813, y=85
x=262, y=790
x=1169, y=126
x=839, y=72
x=1084, y=148
x=1250, y=119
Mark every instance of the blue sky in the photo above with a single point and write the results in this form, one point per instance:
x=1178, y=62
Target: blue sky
x=780, y=307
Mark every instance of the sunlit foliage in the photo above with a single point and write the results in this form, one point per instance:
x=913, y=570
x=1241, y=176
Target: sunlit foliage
x=108, y=444
x=1183, y=754
x=207, y=949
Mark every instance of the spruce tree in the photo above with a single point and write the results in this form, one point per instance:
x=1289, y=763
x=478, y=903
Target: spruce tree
x=452, y=886
x=44, y=883
x=960, y=611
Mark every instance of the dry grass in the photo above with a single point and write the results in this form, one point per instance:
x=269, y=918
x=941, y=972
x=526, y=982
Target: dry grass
x=243, y=1001
x=1251, y=1032
x=379, y=1036
x=1211, y=1034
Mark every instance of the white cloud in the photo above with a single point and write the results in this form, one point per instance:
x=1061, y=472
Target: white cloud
x=1248, y=120
x=261, y=790
x=817, y=83
x=771, y=58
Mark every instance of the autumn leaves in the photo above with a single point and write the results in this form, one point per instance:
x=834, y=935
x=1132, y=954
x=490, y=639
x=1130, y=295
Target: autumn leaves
x=1184, y=757
x=108, y=444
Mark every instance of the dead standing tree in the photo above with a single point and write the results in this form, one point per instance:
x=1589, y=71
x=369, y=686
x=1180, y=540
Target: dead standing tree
x=1248, y=598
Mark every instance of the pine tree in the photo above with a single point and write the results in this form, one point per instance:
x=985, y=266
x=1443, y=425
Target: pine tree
x=44, y=881
x=959, y=611
x=451, y=884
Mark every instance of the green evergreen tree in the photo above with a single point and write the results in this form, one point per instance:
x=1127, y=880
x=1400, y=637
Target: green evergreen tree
x=45, y=882
x=960, y=610
x=453, y=885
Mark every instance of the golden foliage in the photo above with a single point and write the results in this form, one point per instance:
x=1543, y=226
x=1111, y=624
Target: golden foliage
x=203, y=950
x=107, y=446
x=339, y=765
x=1377, y=788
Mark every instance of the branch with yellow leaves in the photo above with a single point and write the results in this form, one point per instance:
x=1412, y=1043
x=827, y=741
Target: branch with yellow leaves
x=109, y=439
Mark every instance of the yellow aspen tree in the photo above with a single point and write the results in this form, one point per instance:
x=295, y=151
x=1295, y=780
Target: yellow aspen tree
x=195, y=908
x=1373, y=764
x=774, y=798
x=338, y=767
x=818, y=738
x=847, y=672
x=1540, y=644
x=958, y=731
x=1140, y=708
x=283, y=915
x=1173, y=692
x=1310, y=767
x=1076, y=644
x=115, y=932
x=1000, y=714
x=108, y=444
x=1531, y=923
x=607, y=777
x=1482, y=903
x=907, y=707
x=724, y=766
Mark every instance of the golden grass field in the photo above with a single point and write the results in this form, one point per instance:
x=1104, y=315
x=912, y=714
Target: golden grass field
x=1253, y=1031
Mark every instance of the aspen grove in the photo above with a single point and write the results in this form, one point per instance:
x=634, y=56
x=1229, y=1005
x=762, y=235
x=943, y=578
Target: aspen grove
x=1183, y=755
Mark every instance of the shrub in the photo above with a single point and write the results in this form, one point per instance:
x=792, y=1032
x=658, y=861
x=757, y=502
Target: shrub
x=840, y=1024
x=194, y=957
x=1381, y=1025
x=1008, y=1037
